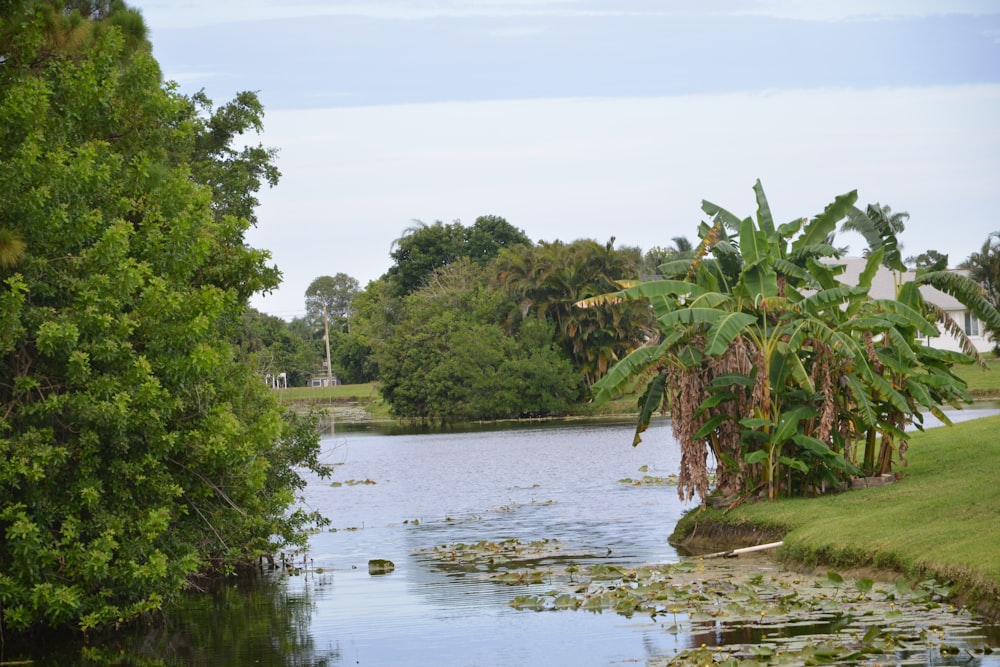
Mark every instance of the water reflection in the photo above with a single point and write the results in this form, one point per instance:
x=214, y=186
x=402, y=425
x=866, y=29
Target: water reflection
x=542, y=482
x=251, y=620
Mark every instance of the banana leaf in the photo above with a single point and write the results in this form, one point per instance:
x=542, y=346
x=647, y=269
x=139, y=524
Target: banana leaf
x=728, y=220
x=764, y=218
x=649, y=403
x=725, y=330
x=913, y=316
x=619, y=378
x=819, y=228
x=710, y=426
x=891, y=394
x=968, y=292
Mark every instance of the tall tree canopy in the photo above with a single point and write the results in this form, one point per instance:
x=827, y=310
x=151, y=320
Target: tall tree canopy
x=423, y=248
x=545, y=281
x=135, y=450
x=330, y=297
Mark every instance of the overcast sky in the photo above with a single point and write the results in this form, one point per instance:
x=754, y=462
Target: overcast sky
x=596, y=118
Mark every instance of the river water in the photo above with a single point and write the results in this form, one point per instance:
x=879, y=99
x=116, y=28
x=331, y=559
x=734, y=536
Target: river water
x=397, y=497
x=531, y=484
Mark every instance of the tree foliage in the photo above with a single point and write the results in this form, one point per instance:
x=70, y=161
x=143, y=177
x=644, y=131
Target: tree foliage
x=136, y=451
x=545, y=281
x=448, y=359
x=330, y=297
x=792, y=380
x=271, y=346
x=984, y=268
x=927, y=258
x=423, y=248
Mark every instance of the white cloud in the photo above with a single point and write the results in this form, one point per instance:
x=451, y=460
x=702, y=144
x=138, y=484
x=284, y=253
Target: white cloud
x=174, y=14
x=636, y=169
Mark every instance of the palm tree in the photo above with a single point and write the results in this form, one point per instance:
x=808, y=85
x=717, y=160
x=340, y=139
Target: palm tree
x=12, y=248
x=682, y=246
x=548, y=279
x=984, y=267
x=884, y=220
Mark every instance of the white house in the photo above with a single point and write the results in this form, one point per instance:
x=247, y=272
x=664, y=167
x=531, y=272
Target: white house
x=884, y=287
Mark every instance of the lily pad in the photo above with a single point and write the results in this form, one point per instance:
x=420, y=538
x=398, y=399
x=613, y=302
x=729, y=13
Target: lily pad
x=380, y=566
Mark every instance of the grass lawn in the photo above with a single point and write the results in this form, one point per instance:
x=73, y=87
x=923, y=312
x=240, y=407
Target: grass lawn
x=982, y=383
x=941, y=520
x=365, y=396
x=358, y=392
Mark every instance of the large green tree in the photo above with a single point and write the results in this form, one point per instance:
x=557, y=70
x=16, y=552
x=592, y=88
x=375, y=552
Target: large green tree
x=136, y=451
x=329, y=298
x=423, y=248
x=448, y=359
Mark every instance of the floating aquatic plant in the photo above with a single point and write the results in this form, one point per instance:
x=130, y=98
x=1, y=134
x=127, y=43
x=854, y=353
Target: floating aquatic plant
x=772, y=617
x=353, y=482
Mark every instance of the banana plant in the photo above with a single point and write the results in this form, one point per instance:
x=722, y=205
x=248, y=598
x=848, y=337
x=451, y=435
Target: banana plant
x=771, y=364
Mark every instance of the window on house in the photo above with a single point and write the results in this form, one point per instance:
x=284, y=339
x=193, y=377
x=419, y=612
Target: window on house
x=971, y=324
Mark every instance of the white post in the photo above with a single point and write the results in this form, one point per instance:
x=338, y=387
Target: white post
x=329, y=366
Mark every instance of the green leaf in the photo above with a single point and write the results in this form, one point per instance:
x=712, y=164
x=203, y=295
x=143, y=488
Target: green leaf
x=790, y=228
x=764, y=218
x=718, y=213
x=862, y=399
x=814, y=445
x=649, y=404
x=753, y=244
x=622, y=374
x=654, y=289
x=794, y=464
x=676, y=267
x=820, y=227
x=895, y=398
x=755, y=422
x=710, y=426
x=759, y=282
x=878, y=235
x=725, y=330
x=788, y=423
x=792, y=270
x=913, y=317
x=833, y=298
x=730, y=379
x=967, y=291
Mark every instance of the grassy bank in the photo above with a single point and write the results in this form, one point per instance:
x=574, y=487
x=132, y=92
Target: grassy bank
x=367, y=397
x=341, y=398
x=347, y=401
x=940, y=521
x=982, y=384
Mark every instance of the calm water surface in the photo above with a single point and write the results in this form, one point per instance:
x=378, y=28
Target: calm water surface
x=554, y=482
x=529, y=484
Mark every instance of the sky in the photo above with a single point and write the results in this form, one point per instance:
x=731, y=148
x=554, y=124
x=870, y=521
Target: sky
x=596, y=118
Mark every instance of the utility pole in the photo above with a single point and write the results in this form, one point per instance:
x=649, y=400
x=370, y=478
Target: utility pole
x=326, y=338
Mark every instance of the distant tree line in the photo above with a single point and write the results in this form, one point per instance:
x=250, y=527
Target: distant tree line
x=479, y=322
x=469, y=322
